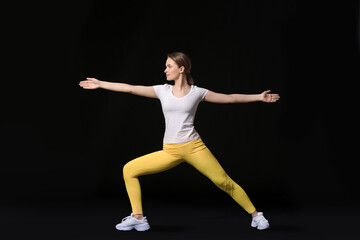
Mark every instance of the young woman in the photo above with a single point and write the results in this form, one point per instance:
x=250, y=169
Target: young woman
x=181, y=142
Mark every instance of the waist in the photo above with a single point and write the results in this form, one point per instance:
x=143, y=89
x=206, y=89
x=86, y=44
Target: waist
x=185, y=148
x=180, y=139
x=182, y=144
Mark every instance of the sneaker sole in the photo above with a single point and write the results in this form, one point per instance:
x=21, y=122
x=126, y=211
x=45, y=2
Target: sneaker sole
x=254, y=225
x=124, y=228
x=137, y=228
x=142, y=228
x=259, y=228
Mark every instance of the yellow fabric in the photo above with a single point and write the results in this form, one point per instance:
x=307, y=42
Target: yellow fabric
x=194, y=153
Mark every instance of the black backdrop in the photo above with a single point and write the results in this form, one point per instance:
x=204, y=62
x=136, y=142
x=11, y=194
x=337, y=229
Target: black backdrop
x=60, y=141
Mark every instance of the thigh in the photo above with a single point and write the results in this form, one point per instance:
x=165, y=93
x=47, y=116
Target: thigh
x=206, y=163
x=151, y=163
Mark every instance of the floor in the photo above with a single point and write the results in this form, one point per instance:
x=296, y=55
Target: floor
x=96, y=219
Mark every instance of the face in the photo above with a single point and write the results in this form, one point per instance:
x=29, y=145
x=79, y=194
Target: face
x=172, y=70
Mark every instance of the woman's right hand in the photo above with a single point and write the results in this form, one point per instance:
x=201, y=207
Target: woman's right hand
x=90, y=83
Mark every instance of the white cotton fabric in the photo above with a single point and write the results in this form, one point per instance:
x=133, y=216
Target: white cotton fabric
x=179, y=113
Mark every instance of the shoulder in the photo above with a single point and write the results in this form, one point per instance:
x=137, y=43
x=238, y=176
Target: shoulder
x=201, y=91
x=199, y=88
x=161, y=88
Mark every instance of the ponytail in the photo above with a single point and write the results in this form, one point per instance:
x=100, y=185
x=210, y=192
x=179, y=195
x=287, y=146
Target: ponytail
x=189, y=79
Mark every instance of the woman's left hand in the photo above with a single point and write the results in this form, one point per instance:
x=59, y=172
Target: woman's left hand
x=269, y=98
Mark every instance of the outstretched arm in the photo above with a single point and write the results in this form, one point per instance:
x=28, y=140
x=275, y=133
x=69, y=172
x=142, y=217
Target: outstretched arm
x=214, y=97
x=93, y=83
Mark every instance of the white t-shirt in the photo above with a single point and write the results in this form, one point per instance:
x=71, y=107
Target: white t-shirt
x=179, y=113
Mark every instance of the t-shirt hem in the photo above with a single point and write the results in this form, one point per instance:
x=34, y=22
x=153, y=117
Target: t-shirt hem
x=182, y=141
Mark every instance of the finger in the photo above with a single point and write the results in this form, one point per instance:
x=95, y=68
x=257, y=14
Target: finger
x=84, y=84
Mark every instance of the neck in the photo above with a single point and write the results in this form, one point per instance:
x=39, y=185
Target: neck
x=181, y=82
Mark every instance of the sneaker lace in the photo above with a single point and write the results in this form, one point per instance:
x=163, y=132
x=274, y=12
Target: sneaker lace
x=126, y=218
x=262, y=219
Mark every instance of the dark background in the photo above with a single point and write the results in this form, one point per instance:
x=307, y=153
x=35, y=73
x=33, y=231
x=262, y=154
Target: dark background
x=66, y=146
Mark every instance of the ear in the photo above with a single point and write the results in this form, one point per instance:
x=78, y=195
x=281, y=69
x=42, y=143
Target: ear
x=182, y=69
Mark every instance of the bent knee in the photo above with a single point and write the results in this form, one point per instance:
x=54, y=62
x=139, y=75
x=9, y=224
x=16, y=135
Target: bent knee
x=127, y=171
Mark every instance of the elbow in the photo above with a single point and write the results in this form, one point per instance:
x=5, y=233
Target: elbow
x=220, y=98
x=129, y=89
x=231, y=99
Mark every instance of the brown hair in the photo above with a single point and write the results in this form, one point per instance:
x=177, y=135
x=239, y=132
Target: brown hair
x=182, y=59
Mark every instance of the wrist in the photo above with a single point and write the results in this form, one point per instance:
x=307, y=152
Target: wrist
x=101, y=84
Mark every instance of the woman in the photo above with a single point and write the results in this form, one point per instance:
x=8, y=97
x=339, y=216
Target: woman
x=181, y=141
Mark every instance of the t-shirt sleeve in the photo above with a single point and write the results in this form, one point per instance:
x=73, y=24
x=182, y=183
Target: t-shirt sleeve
x=158, y=90
x=202, y=92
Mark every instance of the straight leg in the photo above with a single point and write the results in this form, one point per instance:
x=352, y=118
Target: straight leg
x=205, y=162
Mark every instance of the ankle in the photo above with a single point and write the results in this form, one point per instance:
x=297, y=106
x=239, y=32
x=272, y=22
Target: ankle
x=254, y=214
x=138, y=216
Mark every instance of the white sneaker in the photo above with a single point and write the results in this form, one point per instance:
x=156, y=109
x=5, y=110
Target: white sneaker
x=260, y=222
x=128, y=223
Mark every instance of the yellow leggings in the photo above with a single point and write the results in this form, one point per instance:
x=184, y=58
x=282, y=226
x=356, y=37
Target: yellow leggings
x=196, y=154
